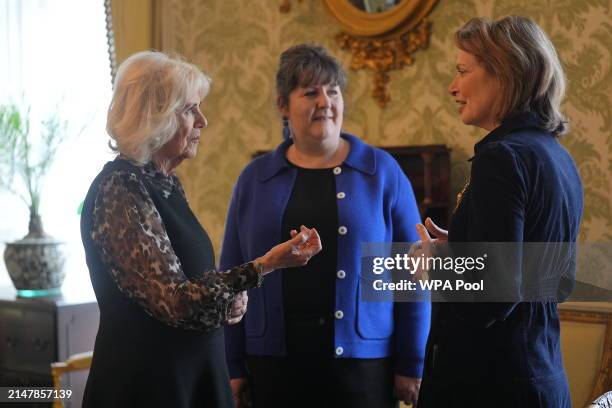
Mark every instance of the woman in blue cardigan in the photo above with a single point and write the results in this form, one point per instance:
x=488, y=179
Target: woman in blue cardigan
x=309, y=339
x=524, y=188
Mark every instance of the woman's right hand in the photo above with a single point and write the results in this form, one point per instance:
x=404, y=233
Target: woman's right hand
x=425, y=246
x=440, y=235
x=295, y=252
x=240, y=392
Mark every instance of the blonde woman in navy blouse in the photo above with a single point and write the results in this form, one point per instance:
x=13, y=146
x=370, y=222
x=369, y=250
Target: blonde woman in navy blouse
x=524, y=187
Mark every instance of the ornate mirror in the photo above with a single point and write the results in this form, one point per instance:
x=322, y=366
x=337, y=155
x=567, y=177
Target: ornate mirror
x=382, y=35
x=368, y=18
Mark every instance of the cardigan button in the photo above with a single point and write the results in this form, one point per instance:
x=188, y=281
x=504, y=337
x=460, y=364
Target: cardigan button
x=337, y=170
x=341, y=274
x=339, y=314
x=342, y=230
x=339, y=351
x=340, y=195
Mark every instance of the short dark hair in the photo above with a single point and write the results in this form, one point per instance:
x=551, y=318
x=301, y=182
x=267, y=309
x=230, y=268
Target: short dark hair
x=305, y=65
x=520, y=55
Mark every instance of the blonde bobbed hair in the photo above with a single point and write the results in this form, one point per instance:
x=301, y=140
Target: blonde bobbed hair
x=520, y=55
x=150, y=90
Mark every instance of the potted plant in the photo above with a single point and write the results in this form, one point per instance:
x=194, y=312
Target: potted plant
x=35, y=263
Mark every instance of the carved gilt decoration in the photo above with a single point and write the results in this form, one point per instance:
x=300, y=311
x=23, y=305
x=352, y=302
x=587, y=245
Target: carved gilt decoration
x=384, y=54
x=285, y=6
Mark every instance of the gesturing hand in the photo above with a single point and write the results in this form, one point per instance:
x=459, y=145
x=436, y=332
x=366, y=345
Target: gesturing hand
x=295, y=252
x=424, y=247
x=440, y=235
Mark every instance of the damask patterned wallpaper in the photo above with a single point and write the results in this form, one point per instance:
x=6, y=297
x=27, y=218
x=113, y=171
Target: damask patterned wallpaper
x=238, y=43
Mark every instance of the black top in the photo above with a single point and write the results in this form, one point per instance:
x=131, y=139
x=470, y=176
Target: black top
x=161, y=303
x=524, y=187
x=309, y=291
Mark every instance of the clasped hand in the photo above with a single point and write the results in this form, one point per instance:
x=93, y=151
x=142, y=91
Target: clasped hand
x=239, y=307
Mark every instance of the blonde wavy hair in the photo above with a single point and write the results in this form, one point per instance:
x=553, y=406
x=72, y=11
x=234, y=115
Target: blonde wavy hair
x=150, y=89
x=520, y=55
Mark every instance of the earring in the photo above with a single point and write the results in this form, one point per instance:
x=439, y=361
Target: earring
x=286, y=129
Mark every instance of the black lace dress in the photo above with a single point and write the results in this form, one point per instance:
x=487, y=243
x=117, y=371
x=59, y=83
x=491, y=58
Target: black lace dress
x=161, y=301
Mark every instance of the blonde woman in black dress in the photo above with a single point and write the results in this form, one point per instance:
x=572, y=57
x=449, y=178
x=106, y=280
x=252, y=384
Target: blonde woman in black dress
x=151, y=263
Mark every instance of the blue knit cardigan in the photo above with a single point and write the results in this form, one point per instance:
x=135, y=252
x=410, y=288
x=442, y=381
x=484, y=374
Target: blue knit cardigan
x=378, y=205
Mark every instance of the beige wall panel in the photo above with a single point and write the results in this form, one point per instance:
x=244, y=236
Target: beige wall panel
x=132, y=26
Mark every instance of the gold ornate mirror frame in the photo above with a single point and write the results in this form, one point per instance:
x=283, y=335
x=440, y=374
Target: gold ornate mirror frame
x=383, y=41
x=407, y=14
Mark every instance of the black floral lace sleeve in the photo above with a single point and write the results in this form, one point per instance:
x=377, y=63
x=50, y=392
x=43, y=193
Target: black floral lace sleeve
x=135, y=247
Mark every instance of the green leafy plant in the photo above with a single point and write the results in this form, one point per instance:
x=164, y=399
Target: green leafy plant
x=27, y=158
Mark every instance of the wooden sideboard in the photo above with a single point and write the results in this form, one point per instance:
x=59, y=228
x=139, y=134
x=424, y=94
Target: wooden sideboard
x=38, y=331
x=428, y=168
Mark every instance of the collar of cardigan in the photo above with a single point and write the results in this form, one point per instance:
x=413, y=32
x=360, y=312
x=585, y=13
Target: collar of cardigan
x=361, y=157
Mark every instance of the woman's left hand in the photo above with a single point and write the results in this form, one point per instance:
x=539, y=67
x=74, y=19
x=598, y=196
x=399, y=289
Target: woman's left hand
x=407, y=389
x=239, y=307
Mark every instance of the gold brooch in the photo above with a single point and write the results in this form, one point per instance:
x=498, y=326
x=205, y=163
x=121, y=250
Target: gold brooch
x=461, y=194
